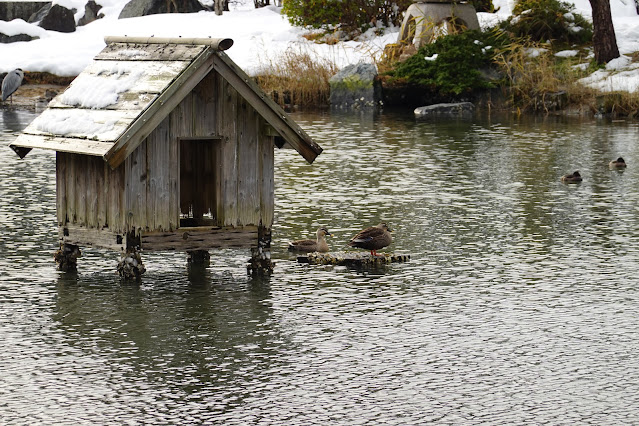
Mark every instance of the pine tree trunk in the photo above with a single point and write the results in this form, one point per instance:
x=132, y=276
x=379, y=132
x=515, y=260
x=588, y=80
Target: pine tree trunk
x=603, y=38
x=218, y=7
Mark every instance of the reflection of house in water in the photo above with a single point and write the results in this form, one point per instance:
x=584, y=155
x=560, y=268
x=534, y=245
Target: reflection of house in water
x=11, y=120
x=425, y=21
x=164, y=144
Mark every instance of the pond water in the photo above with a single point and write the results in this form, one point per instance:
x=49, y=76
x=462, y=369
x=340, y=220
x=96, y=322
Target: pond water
x=519, y=304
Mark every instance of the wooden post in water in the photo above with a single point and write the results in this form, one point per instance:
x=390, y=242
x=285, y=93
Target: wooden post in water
x=260, y=262
x=130, y=266
x=67, y=257
x=199, y=257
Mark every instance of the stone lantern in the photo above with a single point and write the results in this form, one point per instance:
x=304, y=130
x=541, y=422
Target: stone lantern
x=425, y=21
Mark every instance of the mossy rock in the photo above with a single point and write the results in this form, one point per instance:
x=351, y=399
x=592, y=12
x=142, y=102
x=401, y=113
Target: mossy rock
x=356, y=86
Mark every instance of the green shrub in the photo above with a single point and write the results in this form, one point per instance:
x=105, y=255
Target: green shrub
x=458, y=64
x=544, y=20
x=483, y=5
x=349, y=15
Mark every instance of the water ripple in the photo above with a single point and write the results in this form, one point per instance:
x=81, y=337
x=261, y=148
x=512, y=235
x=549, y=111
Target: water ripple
x=518, y=306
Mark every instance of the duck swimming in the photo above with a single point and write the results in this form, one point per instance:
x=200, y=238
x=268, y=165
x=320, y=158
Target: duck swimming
x=309, y=246
x=373, y=238
x=619, y=163
x=573, y=178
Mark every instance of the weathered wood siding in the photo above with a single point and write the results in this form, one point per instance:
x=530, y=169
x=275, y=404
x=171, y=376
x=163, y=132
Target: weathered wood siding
x=89, y=193
x=238, y=183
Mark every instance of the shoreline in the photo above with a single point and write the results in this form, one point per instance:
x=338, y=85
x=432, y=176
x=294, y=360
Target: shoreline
x=33, y=97
x=36, y=97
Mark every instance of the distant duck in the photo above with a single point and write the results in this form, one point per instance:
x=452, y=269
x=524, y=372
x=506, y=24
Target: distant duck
x=573, y=178
x=373, y=238
x=619, y=163
x=309, y=246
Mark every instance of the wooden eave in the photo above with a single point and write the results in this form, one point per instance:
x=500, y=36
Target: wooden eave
x=266, y=107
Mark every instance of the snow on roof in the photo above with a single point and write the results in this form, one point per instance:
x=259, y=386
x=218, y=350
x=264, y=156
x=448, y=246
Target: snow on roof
x=107, y=97
x=110, y=108
x=76, y=123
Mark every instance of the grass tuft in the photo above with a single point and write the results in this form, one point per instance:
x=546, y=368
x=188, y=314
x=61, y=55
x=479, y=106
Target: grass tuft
x=297, y=78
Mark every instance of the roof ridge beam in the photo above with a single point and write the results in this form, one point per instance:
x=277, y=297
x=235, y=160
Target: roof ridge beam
x=216, y=43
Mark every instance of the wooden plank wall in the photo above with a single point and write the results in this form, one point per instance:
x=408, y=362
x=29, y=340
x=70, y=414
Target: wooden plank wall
x=227, y=114
x=151, y=192
x=248, y=188
x=267, y=173
x=89, y=193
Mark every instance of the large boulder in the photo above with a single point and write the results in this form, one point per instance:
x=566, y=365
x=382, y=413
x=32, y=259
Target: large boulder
x=136, y=8
x=4, y=38
x=458, y=109
x=356, y=86
x=10, y=10
x=91, y=13
x=55, y=18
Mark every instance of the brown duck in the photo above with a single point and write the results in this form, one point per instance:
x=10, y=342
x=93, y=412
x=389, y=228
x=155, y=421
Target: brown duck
x=309, y=246
x=373, y=238
x=573, y=178
x=619, y=163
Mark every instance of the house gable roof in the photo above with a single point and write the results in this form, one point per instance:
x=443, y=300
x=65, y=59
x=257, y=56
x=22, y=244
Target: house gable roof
x=131, y=86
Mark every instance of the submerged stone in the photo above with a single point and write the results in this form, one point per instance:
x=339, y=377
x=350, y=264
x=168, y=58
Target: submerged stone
x=458, y=109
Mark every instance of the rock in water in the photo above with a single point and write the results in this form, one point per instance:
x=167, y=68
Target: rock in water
x=356, y=87
x=459, y=109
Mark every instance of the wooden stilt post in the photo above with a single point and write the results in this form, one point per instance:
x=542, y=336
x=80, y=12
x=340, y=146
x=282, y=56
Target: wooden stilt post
x=67, y=257
x=260, y=263
x=130, y=266
x=199, y=257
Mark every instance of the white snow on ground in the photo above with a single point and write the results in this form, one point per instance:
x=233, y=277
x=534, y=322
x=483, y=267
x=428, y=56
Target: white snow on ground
x=260, y=36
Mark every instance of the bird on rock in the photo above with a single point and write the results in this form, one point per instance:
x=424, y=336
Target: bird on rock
x=373, y=238
x=309, y=246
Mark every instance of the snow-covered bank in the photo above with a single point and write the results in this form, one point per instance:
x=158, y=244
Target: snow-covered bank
x=260, y=36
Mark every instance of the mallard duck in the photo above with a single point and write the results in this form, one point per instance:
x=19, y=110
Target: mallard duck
x=573, y=178
x=309, y=246
x=619, y=163
x=373, y=238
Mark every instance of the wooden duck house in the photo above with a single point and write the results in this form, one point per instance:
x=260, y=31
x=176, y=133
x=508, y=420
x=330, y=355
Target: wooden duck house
x=164, y=144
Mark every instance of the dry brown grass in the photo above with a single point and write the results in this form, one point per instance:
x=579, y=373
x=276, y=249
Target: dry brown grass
x=545, y=83
x=530, y=78
x=46, y=78
x=541, y=83
x=298, y=79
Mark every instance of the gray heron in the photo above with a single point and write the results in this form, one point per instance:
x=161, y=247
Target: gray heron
x=11, y=83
